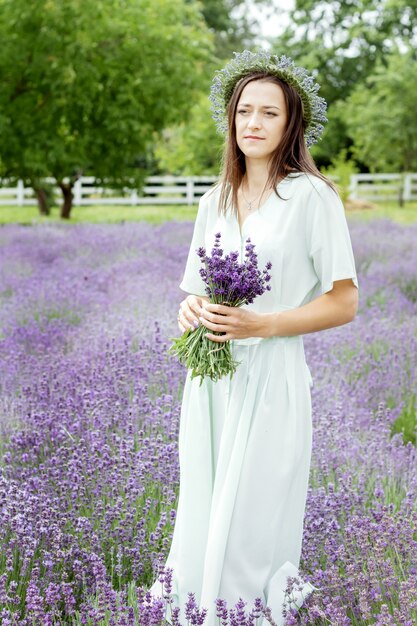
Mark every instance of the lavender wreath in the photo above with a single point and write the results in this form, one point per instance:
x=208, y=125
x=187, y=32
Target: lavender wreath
x=246, y=62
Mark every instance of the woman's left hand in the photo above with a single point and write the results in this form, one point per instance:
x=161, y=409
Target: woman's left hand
x=235, y=322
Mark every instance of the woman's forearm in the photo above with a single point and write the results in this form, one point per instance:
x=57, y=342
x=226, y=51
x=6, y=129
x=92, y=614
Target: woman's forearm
x=335, y=308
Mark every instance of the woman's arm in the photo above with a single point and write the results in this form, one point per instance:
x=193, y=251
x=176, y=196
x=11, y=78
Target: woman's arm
x=334, y=308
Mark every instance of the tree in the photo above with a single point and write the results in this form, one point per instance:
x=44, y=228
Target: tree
x=85, y=86
x=194, y=147
x=232, y=24
x=381, y=116
x=344, y=42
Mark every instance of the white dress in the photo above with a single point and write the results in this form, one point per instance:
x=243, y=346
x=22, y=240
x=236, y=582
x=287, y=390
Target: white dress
x=245, y=443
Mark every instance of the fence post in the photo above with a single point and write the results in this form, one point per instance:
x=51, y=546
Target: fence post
x=401, y=191
x=77, y=192
x=353, y=187
x=20, y=193
x=134, y=197
x=407, y=188
x=190, y=191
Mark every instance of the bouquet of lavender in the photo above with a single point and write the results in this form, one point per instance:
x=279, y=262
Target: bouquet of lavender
x=230, y=283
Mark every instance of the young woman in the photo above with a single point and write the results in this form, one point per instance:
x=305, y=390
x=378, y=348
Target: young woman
x=245, y=443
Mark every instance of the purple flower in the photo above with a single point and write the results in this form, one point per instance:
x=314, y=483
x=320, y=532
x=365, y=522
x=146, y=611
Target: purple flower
x=232, y=282
x=90, y=411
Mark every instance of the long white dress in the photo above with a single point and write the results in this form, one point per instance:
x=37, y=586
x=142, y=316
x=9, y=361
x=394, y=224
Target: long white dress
x=245, y=443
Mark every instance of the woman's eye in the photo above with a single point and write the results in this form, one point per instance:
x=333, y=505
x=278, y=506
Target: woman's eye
x=243, y=111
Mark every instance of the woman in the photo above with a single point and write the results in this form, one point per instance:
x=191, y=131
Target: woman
x=245, y=443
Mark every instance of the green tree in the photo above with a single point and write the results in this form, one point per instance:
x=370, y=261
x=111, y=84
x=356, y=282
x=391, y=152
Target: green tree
x=341, y=170
x=381, y=116
x=85, y=86
x=343, y=42
x=232, y=24
x=194, y=147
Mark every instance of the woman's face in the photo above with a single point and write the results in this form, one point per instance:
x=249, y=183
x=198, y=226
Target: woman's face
x=261, y=118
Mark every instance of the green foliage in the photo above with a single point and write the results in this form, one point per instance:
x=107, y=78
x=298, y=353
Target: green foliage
x=342, y=168
x=232, y=24
x=334, y=139
x=86, y=85
x=381, y=116
x=408, y=286
x=194, y=147
x=406, y=422
x=345, y=42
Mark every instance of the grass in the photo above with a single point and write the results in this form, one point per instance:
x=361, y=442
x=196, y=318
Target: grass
x=163, y=213
x=100, y=214
x=406, y=422
x=406, y=214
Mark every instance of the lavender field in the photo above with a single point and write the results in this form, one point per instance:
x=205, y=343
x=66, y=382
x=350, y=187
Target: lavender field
x=89, y=416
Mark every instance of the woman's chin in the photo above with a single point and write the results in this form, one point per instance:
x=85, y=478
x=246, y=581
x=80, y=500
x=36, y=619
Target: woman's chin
x=256, y=154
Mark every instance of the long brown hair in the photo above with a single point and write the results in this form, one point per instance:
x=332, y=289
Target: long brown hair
x=291, y=155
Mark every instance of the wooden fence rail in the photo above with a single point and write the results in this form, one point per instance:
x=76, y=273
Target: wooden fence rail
x=188, y=190
x=157, y=190
x=380, y=187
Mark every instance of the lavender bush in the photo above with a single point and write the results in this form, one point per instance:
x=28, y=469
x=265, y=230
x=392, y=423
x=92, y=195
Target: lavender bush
x=89, y=415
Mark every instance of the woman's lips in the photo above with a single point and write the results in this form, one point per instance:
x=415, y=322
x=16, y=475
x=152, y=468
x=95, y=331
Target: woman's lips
x=255, y=138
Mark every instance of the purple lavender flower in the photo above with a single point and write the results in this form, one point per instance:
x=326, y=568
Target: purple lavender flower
x=231, y=282
x=90, y=411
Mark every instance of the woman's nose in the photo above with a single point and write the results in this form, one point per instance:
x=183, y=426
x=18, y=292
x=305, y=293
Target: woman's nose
x=254, y=120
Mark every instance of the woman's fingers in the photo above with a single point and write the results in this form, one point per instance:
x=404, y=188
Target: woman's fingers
x=188, y=313
x=183, y=321
x=197, y=305
x=231, y=322
x=213, y=321
x=220, y=309
x=217, y=317
x=195, y=310
x=191, y=318
x=218, y=338
x=221, y=328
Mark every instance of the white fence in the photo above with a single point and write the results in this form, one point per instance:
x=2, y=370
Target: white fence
x=188, y=189
x=157, y=190
x=380, y=187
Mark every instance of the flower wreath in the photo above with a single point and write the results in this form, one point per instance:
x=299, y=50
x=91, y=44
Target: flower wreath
x=245, y=63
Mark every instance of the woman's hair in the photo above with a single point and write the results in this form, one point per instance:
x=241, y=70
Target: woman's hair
x=291, y=155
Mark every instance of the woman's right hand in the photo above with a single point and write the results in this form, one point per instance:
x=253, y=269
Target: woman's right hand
x=190, y=310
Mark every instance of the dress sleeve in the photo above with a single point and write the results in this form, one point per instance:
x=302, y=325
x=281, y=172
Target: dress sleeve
x=329, y=241
x=192, y=281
